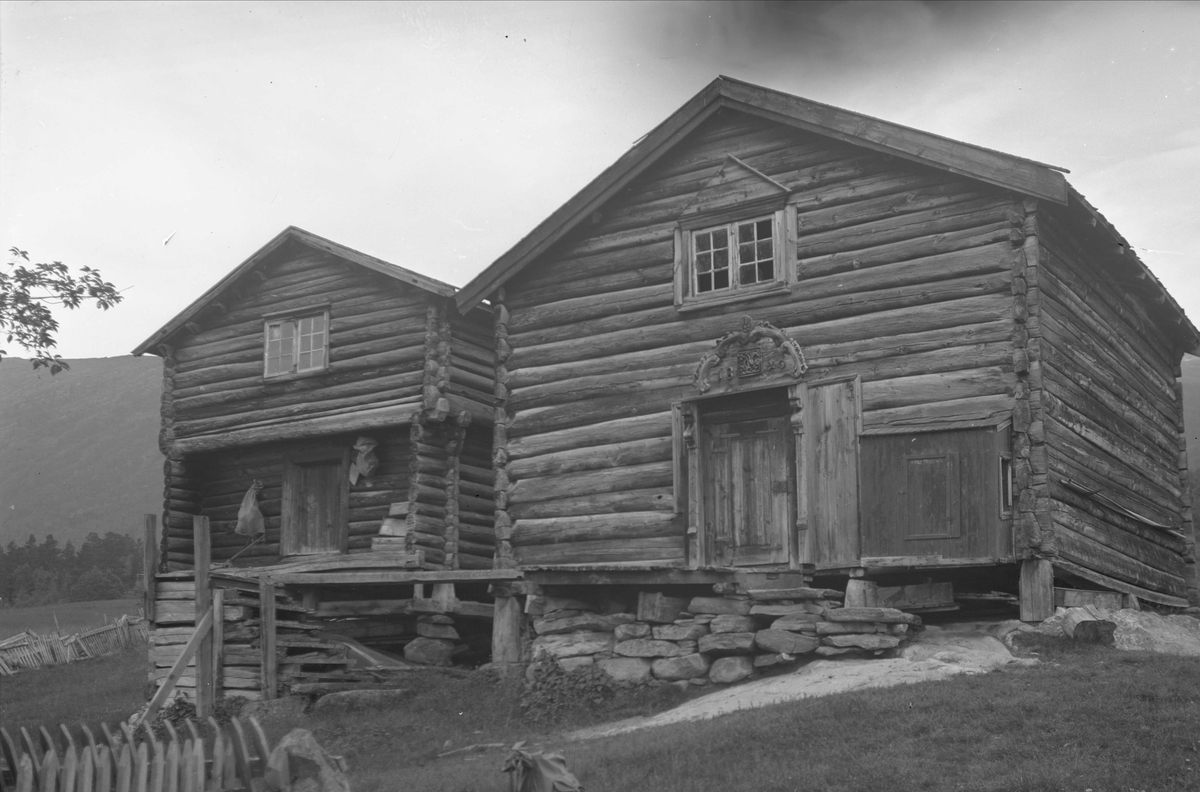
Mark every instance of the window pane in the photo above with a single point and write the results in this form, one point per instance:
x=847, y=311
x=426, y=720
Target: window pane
x=746, y=253
x=273, y=365
x=272, y=332
x=746, y=274
x=721, y=279
x=703, y=242
x=318, y=324
x=764, y=229
x=703, y=262
x=764, y=250
x=305, y=343
x=305, y=361
x=766, y=271
x=745, y=232
x=288, y=329
x=704, y=282
x=285, y=361
x=318, y=358
x=720, y=238
x=720, y=259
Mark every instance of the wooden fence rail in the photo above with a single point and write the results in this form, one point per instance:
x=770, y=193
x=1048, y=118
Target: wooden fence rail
x=205, y=759
x=30, y=650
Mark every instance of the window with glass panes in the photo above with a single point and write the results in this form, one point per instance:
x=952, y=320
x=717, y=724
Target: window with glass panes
x=733, y=256
x=296, y=344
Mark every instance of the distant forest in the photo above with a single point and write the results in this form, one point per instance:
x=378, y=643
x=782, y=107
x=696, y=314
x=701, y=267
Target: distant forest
x=42, y=574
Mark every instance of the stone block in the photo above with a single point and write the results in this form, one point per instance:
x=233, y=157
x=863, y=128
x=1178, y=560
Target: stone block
x=626, y=669
x=625, y=632
x=844, y=628
x=799, y=593
x=429, y=651
x=833, y=651
x=730, y=623
x=772, y=660
x=680, y=632
x=727, y=644
x=571, y=644
x=688, y=666
x=727, y=670
x=797, y=622
x=583, y=622
x=862, y=641
x=786, y=610
x=429, y=630
x=688, y=646
x=654, y=606
x=886, y=615
x=719, y=606
x=570, y=664
x=784, y=642
x=299, y=763
x=647, y=647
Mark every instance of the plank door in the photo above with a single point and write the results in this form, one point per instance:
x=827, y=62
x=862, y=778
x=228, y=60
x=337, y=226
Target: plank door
x=748, y=493
x=313, y=518
x=830, y=459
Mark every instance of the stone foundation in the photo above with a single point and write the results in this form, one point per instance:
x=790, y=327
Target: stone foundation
x=720, y=639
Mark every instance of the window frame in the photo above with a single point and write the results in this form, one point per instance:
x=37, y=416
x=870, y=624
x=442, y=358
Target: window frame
x=783, y=238
x=294, y=317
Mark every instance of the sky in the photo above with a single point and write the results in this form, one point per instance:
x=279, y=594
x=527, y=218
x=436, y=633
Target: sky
x=436, y=135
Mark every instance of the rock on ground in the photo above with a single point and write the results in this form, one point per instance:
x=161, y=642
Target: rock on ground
x=299, y=764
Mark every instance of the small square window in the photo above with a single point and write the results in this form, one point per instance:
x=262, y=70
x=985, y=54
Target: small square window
x=295, y=345
x=733, y=256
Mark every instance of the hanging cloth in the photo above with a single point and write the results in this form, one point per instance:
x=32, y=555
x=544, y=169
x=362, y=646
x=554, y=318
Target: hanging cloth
x=365, y=462
x=250, y=519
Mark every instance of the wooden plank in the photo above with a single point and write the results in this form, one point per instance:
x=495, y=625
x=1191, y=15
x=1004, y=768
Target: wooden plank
x=149, y=564
x=1120, y=585
x=266, y=597
x=202, y=553
x=189, y=651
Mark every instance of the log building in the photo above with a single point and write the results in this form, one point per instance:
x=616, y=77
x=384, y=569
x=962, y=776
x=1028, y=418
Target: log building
x=777, y=336
x=326, y=412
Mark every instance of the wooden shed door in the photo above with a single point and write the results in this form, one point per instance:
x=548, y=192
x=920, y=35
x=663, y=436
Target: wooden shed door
x=313, y=510
x=831, y=427
x=748, y=491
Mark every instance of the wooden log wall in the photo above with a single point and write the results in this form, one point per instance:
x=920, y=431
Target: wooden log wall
x=376, y=339
x=1113, y=420
x=472, y=373
x=476, y=504
x=220, y=481
x=905, y=277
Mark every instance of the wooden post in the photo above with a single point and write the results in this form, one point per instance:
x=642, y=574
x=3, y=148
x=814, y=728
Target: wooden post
x=149, y=565
x=1037, y=590
x=506, y=630
x=218, y=640
x=202, y=544
x=266, y=604
x=860, y=593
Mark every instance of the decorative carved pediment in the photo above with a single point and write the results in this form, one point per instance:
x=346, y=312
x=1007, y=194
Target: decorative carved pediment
x=756, y=355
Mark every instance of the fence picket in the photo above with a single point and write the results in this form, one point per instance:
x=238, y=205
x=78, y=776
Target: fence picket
x=172, y=768
x=124, y=770
x=241, y=756
x=87, y=770
x=103, y=781
x=25, y=774
x=66, y=775
x=141, y=768
x=31, y=750
x=48, y=774
x=8, y=752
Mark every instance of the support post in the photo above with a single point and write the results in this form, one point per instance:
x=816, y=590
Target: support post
x=218, y=641
x=506, y=630
x=861, y=593
x=266, y=604
x=1037, y=590
x=202, y=544
x=149, y=565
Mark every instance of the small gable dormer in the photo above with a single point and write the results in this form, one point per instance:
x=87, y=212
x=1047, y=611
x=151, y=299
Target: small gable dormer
x=735, y=239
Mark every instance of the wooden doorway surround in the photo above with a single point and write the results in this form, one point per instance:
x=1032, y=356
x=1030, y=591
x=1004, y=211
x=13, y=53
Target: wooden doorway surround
x=766, y=462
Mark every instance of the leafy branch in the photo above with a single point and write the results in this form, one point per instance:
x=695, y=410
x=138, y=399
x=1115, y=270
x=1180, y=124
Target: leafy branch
x=27, y=292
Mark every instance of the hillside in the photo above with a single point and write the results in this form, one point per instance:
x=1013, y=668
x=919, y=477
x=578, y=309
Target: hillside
x=79, y=450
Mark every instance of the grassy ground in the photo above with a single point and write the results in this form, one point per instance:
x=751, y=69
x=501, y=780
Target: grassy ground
x=107, y=689
x=1087, y=718
x=70, y=616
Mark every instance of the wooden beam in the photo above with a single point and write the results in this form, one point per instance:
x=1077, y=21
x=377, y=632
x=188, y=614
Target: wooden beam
x=218, y=640
x=266, y=602
x=1037, y=590
x=203, y=628
x=298, y=429
x=397, y=576
x=891, y=562
x=506, y=630
x=149, y=565
x=626, y=577
x=202, y=553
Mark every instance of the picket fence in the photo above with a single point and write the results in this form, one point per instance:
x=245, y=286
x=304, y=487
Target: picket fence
x=205, y=759
x=30, y=650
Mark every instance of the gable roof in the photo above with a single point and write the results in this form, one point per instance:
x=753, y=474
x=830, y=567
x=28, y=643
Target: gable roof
x=1021, y=175
x=309, y=239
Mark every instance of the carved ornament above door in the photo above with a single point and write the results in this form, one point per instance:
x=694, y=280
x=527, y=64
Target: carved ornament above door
x=756, y=356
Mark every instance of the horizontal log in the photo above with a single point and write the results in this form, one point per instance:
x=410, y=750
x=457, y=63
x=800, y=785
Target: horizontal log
x=576, y=309
x=622, y=430
x=354, y=420
x=243, y=371
x=1093, y=555
x=631, y=500
x=659, y=395
x=1114, y=584
x=917, y=198
x=665, y=551
x=847, y=260
x=613, y=455
x=1067, y=459
x=942, y=386
x=1127, y=544
x=597, y=527
x=1084, y=508
x=656, y=474
x=953, y=413
x=299, y=410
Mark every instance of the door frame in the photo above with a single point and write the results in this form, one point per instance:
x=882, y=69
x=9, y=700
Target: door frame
x=328, y=454
x=805, y=537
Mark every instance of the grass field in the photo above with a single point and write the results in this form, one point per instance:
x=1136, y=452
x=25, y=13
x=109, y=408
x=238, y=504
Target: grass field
x=70, y=616
x=1087, y=718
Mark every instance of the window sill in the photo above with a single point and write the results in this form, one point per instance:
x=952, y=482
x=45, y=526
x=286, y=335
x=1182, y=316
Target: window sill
x=267, y=379
x=691, y=304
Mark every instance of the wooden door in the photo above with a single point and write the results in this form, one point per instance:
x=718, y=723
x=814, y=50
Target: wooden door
x=314, y=508
x=830, y=459
x=748, y=491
